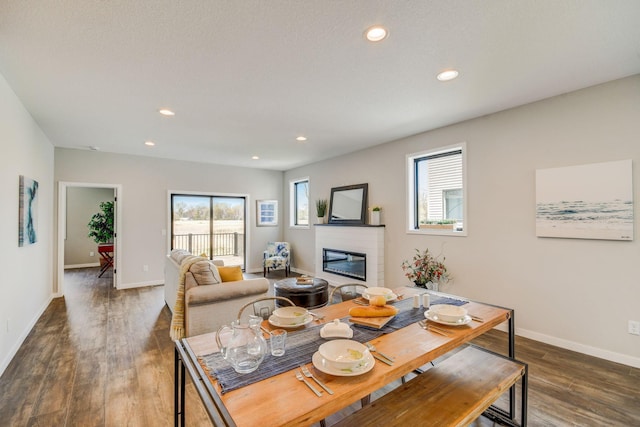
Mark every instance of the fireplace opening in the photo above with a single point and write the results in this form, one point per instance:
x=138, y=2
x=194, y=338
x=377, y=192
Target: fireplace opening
x=345, y=263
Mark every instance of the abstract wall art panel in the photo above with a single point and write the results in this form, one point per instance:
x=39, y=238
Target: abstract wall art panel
x=28, y=211
x=585, y=202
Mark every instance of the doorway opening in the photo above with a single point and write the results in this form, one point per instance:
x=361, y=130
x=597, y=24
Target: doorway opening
x=77, y=204
x=210, y=225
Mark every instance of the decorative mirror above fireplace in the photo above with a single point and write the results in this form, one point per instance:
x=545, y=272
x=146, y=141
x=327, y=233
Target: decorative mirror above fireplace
x=348, y=205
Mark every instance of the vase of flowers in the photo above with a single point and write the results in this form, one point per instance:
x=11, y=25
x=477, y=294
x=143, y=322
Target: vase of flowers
x=425, y=270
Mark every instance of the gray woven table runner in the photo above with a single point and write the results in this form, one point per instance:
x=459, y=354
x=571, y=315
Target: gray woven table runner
x=302, y=344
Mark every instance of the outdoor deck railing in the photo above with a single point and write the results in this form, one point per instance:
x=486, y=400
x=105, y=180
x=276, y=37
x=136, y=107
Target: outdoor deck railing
x=223, y=243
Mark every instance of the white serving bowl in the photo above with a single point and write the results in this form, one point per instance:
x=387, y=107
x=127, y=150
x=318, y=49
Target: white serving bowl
x=374, y=291
x=343, y=354
x=290, y=315
x=448, y=312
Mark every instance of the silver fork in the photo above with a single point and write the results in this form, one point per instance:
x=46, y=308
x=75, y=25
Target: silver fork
x=371, y=347
x=424, y=325
x=317, y=316
x=307, y=373
x=301, y=378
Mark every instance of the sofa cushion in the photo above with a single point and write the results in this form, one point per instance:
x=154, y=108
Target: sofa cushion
x=205, y=273
x=178, y=255
x=201, y=295
x=231, y=273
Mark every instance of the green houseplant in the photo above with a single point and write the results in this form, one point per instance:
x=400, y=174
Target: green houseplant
x=321, y=209
x=101, y=224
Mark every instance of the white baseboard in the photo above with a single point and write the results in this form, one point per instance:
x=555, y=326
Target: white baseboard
x=72, y=266
x=141, y=284
x=23, y=336
x=580, y=348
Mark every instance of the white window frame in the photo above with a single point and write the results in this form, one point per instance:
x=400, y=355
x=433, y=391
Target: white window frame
x=292, y=203
x=411, y=191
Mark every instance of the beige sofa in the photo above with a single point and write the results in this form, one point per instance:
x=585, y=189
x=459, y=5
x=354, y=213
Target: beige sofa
x=209, y=302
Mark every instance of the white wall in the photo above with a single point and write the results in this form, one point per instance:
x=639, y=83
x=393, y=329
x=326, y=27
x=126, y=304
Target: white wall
x=26, y=285
x=145, y=184
x=577, y=294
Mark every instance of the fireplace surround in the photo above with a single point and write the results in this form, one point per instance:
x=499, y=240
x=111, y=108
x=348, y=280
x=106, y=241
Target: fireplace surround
x=363, y=239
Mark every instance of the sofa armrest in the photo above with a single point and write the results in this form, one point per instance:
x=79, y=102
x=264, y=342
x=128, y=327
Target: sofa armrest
x=208, y=294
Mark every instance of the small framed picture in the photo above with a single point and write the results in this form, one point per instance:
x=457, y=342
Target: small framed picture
x=267, y=215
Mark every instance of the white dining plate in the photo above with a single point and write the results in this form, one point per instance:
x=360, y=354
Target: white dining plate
x=274, y=322
x=389, y=297
x=323, y=366
x=434, y=318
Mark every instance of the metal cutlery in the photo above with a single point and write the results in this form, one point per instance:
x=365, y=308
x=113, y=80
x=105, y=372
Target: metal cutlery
x=315, y=390
x=382, y=359
x=372, y=348
x=307, y=373
x=424, y=325
x=317, y=316
x=476, y=318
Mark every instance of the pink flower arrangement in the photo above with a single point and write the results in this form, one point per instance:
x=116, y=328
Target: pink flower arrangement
x=424, y=267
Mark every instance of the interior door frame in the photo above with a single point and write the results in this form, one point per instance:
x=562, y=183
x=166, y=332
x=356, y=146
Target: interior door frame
x=62, y=227
x=247, y=228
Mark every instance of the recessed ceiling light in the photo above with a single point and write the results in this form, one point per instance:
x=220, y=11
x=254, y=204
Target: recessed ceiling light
x=301, y=138
x=149, y=143
x=255, y=158
x=376, y=33
x=447, y=75
x=166, y=112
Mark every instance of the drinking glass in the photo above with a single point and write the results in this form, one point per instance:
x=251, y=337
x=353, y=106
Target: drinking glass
x=278, y=339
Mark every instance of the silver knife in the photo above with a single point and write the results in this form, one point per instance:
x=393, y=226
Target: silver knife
x=382, y=359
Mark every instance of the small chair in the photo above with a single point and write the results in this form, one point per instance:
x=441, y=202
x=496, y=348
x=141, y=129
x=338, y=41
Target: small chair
x=277, y=255
x=347, y=291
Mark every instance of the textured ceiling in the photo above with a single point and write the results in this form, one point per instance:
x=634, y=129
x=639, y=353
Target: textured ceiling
x=246, y=77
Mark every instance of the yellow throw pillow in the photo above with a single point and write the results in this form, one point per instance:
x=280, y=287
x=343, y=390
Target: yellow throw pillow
x=230, y=274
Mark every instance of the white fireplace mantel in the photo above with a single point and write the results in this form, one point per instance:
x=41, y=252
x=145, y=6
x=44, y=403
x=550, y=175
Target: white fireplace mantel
x=363, y=239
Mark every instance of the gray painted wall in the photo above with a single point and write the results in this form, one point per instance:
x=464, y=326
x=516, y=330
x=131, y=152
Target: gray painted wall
x=26, y=285
x=578, y=294
x=146, y=183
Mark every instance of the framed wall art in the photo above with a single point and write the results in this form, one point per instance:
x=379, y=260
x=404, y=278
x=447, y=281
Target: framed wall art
x=592, y=201
x=28, y=211
x=267, y=213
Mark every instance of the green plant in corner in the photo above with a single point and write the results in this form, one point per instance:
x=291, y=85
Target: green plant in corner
x=101, y=224
x=321, y=207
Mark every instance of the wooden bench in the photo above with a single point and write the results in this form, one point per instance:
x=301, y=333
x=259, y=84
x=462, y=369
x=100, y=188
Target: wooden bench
x=453, y=393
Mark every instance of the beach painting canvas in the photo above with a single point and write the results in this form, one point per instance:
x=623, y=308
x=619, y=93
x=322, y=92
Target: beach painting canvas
x=28, y=210
x=592, y=201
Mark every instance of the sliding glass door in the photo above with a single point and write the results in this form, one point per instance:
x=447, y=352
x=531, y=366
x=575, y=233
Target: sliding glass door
x=212, y=226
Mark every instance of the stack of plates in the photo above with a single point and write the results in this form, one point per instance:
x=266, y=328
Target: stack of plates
x=344, y=358
x=375, y=291
x=448, y=314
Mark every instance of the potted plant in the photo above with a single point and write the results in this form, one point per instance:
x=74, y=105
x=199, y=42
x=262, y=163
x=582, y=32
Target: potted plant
x=321, y=210
x=101, y=224
x=375, y=215
x=426, y=270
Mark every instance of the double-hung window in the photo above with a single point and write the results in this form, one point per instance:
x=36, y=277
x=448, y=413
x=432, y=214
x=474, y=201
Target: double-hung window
x=299, y=197
x=437, y=194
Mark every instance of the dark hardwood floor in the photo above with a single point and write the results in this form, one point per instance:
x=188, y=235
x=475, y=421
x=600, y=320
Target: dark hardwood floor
x=102, y=357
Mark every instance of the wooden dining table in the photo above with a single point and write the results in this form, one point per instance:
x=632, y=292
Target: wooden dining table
x=282, y=400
